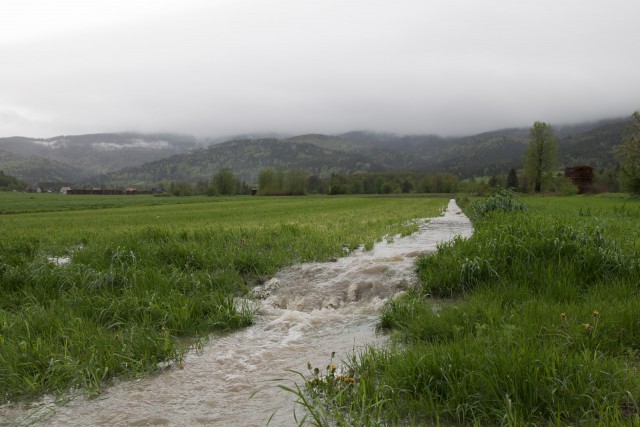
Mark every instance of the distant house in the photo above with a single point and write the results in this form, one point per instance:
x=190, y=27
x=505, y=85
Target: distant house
x=34, y=190
x=65, y=190
x=581, y=176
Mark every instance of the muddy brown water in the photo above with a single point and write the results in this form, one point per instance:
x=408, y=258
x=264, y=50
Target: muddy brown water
x=304, y=313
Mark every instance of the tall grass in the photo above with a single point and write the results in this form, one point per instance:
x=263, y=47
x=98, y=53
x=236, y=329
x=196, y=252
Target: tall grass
x=532, y=321
x=141, y=277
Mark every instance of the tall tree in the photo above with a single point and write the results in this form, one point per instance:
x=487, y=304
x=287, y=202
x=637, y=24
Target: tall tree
x=267, y=182
x=225, y=182
x=629, y=154
x=296, y=181
x=512, y=179
x=541, y=155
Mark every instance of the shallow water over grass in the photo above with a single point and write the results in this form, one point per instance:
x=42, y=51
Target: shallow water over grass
x=304, y=313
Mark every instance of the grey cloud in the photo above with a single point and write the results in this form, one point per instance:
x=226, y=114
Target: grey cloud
x=216, y=68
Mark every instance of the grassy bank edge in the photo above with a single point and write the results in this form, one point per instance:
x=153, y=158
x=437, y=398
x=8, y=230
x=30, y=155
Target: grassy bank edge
x=533, y=320
x=136, y=289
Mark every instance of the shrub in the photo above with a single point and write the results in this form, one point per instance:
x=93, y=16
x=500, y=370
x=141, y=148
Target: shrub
x=502, y=200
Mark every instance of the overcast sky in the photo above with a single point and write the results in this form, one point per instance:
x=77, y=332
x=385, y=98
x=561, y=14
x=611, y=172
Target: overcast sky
x=218, y=67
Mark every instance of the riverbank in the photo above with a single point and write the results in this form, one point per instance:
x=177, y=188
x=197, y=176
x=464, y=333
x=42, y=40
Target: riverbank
x=533, y=320
x=140, y=280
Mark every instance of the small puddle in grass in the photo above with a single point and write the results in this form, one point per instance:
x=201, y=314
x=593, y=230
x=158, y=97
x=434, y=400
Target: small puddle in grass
x=305, y=313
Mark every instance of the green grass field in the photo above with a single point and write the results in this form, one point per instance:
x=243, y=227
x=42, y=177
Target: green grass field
x=145, y=271
x=535, y=320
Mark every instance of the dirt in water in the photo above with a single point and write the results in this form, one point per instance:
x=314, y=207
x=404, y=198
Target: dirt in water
x=304, y=313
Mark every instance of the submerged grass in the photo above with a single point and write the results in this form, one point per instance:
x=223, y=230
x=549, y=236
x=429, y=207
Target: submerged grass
x=535, y=320
x=89, y=293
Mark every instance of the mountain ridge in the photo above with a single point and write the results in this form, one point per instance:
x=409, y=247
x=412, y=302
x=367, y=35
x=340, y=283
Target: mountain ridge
x=130, y=158
x=87, y=155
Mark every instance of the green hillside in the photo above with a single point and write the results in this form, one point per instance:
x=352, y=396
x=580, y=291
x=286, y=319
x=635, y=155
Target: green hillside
x=483, y=154
x=595, y=148
x=138, y=159
x=75, y=158
x=246, y=158
x=34, y=169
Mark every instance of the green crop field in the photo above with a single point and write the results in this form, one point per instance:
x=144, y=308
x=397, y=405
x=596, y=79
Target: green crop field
x=93, y=287
x=535, y=320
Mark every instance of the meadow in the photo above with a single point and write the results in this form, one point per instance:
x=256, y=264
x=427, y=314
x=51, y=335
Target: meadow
x=97, y=287
x=535, y=320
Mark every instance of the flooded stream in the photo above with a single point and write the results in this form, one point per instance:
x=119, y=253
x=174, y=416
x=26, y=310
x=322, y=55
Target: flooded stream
x=304, y=313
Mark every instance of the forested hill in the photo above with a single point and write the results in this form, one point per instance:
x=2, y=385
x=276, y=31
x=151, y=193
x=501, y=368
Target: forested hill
x=466, y=156
x=34, y=169
x=595, y=147
x=323, y=155
x=75, y=158
x=484, y=154
x=142, y=159
x=246, y=158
